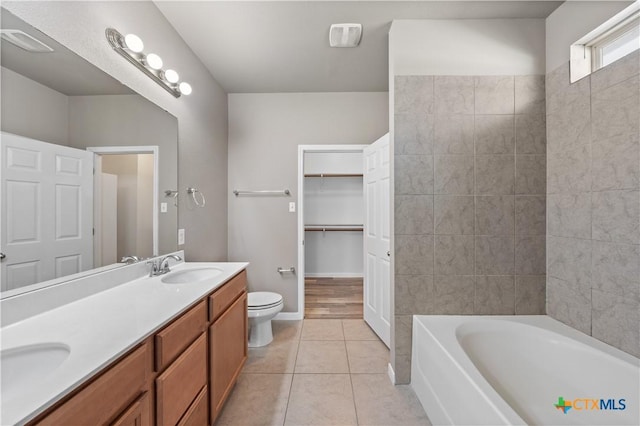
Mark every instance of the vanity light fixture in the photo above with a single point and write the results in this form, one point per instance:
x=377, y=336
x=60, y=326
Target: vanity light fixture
x=131, y=48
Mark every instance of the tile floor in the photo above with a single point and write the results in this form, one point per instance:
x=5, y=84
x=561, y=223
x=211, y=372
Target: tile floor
x=320, y=372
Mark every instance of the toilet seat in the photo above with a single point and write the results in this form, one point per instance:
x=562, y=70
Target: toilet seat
x=260, y=300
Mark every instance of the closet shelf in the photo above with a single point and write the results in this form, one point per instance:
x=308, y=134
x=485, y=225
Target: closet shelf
x=333, y=228
x=324, y=175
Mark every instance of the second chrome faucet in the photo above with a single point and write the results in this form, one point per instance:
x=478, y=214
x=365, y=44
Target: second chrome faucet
x=160, y=266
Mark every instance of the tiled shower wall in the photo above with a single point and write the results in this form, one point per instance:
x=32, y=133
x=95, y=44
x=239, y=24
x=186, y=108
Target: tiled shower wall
x=470, y=185
x=593, y=236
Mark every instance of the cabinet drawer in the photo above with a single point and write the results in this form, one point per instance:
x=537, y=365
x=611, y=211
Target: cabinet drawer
x=173, y=339
x=198, y=413
x=137, y=414
x=108, y=395
x=226, y=294
x=179, y=384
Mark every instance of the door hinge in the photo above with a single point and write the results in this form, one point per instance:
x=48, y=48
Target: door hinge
x=93, y=231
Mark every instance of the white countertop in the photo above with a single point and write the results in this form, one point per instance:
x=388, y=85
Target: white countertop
x=99, y=329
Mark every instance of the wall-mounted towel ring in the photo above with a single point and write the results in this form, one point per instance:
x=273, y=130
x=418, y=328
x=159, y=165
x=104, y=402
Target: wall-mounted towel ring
x=193, y=192
x=173, y=194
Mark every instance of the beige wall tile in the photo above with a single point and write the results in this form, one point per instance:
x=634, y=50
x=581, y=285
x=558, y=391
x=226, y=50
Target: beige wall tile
x=616, y=320
x=454, y=214
x=414, y=254
x=494, y=95
x=531, y=134
x=495, y=215
x=454, y=174
x=413, y=214
x=616, y=216
x=454, y=255
x=531, y=294
x=413, y=294
x=453, y=94
x=531, y=214
x=494, y=255
x=569, y=303
x=414, y=174
x=453, y=294
x=495, y=295
x=531, y=174
x=530, y=255
x=495, y=134
x=616, y=269
x=495, y=174
x=413, y=94
x=529, y=94
x=454, y=134
x=413, y=134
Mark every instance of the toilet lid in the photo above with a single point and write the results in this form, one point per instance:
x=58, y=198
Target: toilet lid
x=263, y=299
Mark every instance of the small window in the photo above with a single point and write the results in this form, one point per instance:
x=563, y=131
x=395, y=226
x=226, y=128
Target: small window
x=606, y=44
x=624, y=40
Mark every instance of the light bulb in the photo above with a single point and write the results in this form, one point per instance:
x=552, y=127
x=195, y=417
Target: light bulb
x=133, y=43
x=153, y=61
x=185, y=88
x=171, y=76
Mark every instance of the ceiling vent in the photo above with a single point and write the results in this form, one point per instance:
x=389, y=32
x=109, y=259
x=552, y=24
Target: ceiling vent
x=345, y=35
x=24, y=41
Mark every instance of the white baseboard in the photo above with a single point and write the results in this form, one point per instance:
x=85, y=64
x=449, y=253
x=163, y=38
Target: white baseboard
x=289, y=316
x=333, y=275
x=391, y=373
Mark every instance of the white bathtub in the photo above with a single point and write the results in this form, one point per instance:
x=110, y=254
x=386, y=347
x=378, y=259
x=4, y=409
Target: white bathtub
x=497, y=370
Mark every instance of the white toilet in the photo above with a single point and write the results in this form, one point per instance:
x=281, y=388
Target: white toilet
x=262, y=306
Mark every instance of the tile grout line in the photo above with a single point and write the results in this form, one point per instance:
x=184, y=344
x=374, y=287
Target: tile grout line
x=293, y=374
x=353, y=394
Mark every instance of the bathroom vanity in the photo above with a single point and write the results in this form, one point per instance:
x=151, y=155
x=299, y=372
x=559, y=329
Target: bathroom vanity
x=161, y=350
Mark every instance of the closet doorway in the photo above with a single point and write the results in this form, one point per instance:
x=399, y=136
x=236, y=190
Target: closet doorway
x=330, y=219
x=344, y=229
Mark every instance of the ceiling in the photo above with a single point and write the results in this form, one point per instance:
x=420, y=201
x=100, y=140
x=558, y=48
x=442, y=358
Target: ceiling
x=60, y=70
x=282, y=46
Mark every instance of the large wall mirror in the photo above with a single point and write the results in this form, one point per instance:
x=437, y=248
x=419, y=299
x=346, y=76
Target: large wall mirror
x=85, y=163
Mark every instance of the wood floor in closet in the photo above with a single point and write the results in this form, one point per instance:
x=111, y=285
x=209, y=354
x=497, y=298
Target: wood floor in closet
x=333, y=298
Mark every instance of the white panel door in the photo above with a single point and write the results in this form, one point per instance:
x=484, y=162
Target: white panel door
x=47, y=213
x=377, y=239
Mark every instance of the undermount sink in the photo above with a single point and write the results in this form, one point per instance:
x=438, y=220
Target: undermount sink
x=191, y=275
x=25, y=367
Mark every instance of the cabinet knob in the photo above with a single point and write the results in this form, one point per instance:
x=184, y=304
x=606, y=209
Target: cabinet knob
x=389, y=254
x=2, y=256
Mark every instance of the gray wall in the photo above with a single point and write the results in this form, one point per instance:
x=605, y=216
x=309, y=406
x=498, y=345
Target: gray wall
x=593, y=228
x=118, y=120
x=469, y=199
x=264, y=133
x=32, y=110
x=202, y=116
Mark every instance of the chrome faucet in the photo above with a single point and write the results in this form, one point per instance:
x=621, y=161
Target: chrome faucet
x=161, y=266
x=130, y=259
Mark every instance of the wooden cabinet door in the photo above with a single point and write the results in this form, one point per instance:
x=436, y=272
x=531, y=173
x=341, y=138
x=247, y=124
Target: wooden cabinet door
x=137, y=414
x=228, y=351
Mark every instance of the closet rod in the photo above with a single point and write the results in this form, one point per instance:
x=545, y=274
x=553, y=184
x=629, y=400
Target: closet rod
x=265, y=192
x=329, y=229
x=333, y=175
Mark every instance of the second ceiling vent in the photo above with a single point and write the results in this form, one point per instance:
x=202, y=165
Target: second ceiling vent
x=345, y=35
